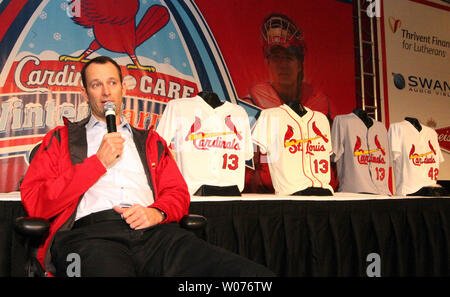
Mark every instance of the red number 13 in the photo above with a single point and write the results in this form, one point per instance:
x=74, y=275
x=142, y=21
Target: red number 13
x=321, y=166
x=233, y=162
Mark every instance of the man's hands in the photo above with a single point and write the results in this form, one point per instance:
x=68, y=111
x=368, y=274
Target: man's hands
x=140, y=217
x=110, y=149
x=137, y=216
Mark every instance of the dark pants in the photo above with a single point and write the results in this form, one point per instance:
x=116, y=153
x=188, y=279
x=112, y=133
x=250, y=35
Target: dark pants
x=111, y=248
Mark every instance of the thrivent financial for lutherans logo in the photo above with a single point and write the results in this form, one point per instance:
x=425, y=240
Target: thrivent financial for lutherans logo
x=419, y=42
x=394, y=24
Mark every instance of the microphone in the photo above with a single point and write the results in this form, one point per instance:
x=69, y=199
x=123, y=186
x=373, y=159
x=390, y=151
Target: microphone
x=110, y=114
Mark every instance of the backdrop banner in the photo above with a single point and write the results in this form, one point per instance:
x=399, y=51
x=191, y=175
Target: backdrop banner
x=166, y=49
x=415, y=46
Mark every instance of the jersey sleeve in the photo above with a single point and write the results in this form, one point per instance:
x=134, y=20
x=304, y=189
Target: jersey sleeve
x=394, y=140
x=248, y=137
x=167, y=124
x=260, y=132
x=441, y=156
x=328, y=133
x=337, y=139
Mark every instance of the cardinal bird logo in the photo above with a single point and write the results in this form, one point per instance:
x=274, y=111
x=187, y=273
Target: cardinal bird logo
x=288, y=135
x=114, y=27
x=357, y=151
x=431, y=147
x=414, y=155
x=232, y=127
x=378, y=144
x=194, y=128
x=412, y=151
x=357, y=145
x=319, y=133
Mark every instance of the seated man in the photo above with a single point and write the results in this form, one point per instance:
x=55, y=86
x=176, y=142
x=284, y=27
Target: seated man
x=113, y=198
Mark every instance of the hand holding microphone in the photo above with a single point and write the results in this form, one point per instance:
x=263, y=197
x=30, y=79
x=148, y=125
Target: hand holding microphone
x=112, y=144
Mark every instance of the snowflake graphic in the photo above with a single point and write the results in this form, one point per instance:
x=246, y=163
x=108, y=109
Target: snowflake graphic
x=90, y=33
x=167, y=60
x=43, y=15
x=64, y=6
x=57, y=36
x=172, y=35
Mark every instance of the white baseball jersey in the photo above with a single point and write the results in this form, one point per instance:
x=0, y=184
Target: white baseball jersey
x=298, y=148
x=211, y=144
x=362, y=155
x=416, y=157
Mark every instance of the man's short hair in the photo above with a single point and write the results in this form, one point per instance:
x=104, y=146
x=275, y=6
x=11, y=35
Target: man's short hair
x=99, y=60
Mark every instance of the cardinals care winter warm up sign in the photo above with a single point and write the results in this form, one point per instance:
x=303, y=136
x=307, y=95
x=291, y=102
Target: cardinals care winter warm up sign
x=166, y=49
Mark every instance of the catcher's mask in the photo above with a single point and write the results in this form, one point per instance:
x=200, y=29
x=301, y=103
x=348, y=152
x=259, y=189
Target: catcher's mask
x=280, y=31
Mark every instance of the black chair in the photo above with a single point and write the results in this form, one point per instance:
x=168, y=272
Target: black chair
x=35, y=230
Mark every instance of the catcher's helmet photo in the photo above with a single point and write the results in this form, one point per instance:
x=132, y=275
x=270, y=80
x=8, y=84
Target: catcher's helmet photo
x=279, y=30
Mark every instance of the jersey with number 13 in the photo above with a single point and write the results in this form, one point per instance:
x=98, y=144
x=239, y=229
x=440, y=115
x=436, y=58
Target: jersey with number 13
x=211, y=144
x=298, y=148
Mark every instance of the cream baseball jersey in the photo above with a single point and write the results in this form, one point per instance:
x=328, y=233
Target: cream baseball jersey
x=362, y=155
x=210, y=144
x=416, y=156
x=298, y=148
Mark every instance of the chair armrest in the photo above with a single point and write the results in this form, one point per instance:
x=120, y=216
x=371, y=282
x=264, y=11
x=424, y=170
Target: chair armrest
x=193, y=222
x=31, y=226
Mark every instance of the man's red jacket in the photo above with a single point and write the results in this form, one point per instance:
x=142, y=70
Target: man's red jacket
x=60, y=173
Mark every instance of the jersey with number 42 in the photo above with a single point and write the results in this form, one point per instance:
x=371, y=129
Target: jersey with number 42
x=298, y=148
x=211, y=144
x=416, y=157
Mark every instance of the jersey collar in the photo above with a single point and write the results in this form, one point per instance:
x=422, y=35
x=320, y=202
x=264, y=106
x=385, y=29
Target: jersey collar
x=306, y=117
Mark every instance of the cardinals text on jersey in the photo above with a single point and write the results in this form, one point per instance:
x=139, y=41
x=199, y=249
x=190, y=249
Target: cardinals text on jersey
x=416, y=157
x=298, y=148
x=362, y=155
x=211, y=144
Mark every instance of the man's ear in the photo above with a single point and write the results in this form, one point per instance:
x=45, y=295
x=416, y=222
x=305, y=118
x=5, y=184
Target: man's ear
x=124, y=88
x=84, y=94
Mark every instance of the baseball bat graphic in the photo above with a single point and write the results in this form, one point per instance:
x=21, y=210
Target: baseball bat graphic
x=366, y=152
x=207, y=135
x=358, y=144
x=413, y=149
